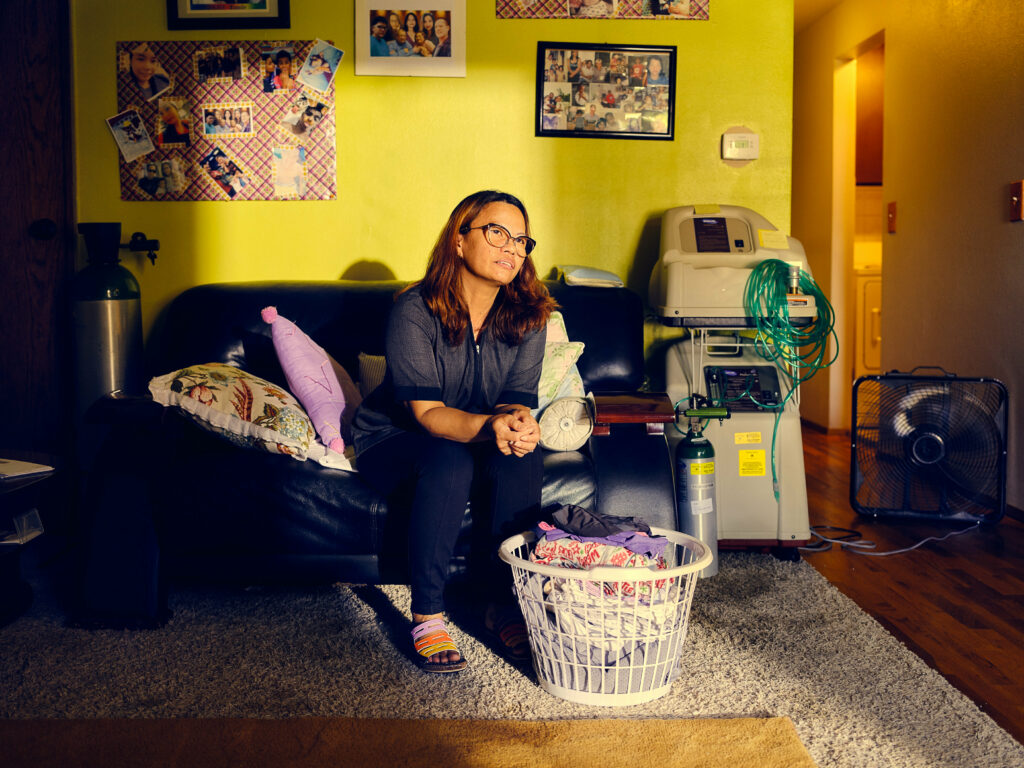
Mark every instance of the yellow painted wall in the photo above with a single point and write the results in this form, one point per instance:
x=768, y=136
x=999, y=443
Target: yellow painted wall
x=410, y=148
x=953, y=273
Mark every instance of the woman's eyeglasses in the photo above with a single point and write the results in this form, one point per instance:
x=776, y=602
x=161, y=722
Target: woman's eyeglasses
x=497, y=236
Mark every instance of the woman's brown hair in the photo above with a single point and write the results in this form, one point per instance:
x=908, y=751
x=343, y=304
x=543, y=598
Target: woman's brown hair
x=522, y=305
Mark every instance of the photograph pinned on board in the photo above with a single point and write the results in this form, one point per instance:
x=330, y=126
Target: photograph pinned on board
x=130, y=134
x=145, y=71
x=225, y=173
x=419, y=39
x=219, y=64
x=228, y=120
x=289, y=172
x=679, y=9
x=278, y=68
x=593, y=9
x=321, y=64
x=303, y=116
x=173, y=124
x=160, y=177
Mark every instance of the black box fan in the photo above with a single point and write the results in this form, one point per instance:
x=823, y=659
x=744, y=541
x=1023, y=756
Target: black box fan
x=929, y=447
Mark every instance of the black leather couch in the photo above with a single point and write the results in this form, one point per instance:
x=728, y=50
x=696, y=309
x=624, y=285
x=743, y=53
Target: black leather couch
x=168, y=501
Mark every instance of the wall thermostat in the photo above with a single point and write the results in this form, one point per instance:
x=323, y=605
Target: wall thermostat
x=740, y=146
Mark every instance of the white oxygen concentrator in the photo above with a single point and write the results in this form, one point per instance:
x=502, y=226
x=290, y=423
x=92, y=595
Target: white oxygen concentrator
x=707, y=256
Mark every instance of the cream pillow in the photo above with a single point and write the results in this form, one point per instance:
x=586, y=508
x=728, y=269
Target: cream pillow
x=371, y=372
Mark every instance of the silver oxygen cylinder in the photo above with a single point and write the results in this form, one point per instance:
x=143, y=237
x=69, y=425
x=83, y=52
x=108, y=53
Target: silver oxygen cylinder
x=106, y=316
x=695, y=494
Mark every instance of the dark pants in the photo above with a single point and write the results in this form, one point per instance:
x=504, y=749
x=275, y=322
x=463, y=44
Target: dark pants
x=435, y=479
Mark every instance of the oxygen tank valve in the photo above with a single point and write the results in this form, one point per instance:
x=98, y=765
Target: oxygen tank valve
x=140, y=243
x=697, y=415
x=793, y=280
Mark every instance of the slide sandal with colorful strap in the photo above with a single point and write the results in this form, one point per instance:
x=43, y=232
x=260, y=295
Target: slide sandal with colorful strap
x=432, y=637
x=509, y=630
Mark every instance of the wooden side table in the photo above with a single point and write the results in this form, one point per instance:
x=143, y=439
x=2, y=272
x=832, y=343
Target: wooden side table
x=19, y=524
x=634, y=471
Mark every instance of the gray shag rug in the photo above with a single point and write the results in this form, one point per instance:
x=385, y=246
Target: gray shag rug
x=766, y=639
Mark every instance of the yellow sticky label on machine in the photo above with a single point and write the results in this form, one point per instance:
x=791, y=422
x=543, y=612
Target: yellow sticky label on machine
x=706, y=210
x=772, y=238
x=747, y=438
x=752, y=463
x=705, y=468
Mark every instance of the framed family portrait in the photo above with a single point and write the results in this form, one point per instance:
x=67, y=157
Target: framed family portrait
x=605, y=91
x=418, y=39
x=212, y=14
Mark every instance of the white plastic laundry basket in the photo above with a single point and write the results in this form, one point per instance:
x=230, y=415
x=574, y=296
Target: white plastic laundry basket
x=607, y=635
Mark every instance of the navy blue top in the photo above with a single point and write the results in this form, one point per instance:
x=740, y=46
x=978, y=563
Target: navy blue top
x=421, y=365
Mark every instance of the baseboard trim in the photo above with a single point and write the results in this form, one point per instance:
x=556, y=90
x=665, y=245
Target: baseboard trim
x=814, y=427
x=1016, y=514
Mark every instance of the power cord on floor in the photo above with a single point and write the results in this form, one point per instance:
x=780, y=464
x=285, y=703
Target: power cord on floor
x=853, y=541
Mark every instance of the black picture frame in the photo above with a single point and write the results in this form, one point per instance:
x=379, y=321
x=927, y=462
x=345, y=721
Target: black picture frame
x=609, y=107
x=277, y=15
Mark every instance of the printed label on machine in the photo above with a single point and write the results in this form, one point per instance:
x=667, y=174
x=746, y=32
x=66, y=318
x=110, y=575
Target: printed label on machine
x=752, y=463
x=772, y=238
x=747, y=438
x=702, y=506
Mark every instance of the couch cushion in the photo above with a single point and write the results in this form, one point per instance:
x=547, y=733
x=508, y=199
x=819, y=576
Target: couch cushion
x=217, y=502
x=216, y=499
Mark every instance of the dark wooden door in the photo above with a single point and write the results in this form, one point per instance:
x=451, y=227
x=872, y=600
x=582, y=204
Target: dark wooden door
x=37, y=231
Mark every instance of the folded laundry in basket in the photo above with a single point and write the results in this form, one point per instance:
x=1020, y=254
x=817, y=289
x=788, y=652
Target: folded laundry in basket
x=635, y=541
x=582, y=522
x=571, y=552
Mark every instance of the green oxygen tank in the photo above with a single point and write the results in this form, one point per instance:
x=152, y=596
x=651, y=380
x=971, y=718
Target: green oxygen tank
x=696, y=503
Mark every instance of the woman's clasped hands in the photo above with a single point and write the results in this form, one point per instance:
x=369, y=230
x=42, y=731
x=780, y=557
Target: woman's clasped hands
x=516, y=432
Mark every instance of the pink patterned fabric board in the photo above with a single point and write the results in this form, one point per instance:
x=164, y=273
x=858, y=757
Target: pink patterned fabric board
x=258, y=158
x=699, y=10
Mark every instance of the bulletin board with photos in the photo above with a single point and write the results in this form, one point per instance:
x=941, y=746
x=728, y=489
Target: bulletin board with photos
x=226, y=120
x=696, y=10
x=602, y=91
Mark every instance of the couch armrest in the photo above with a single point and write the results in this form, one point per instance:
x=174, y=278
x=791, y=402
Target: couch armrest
x=119, y=408
x=633, y=470
x=653, y=409
x=632, y=461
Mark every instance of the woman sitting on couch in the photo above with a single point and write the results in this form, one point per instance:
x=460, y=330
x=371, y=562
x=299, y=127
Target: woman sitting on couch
x=464, y=350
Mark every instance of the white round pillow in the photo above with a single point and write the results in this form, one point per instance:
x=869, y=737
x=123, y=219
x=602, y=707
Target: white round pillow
x=566, y=424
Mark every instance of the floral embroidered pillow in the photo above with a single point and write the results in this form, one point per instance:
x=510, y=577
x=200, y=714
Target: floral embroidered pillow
x=244, y=409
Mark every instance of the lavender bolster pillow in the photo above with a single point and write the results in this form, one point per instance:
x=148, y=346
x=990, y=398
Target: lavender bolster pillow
x=311, y=378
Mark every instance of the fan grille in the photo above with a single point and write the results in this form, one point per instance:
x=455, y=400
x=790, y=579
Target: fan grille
x=931, y=447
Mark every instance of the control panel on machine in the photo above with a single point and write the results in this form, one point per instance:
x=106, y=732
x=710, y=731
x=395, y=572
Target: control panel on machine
x=743, y=388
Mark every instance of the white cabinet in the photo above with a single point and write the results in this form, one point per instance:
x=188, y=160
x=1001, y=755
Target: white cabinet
x=868, y=325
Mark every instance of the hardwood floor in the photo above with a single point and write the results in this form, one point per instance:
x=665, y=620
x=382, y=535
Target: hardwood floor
x=958, y=604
